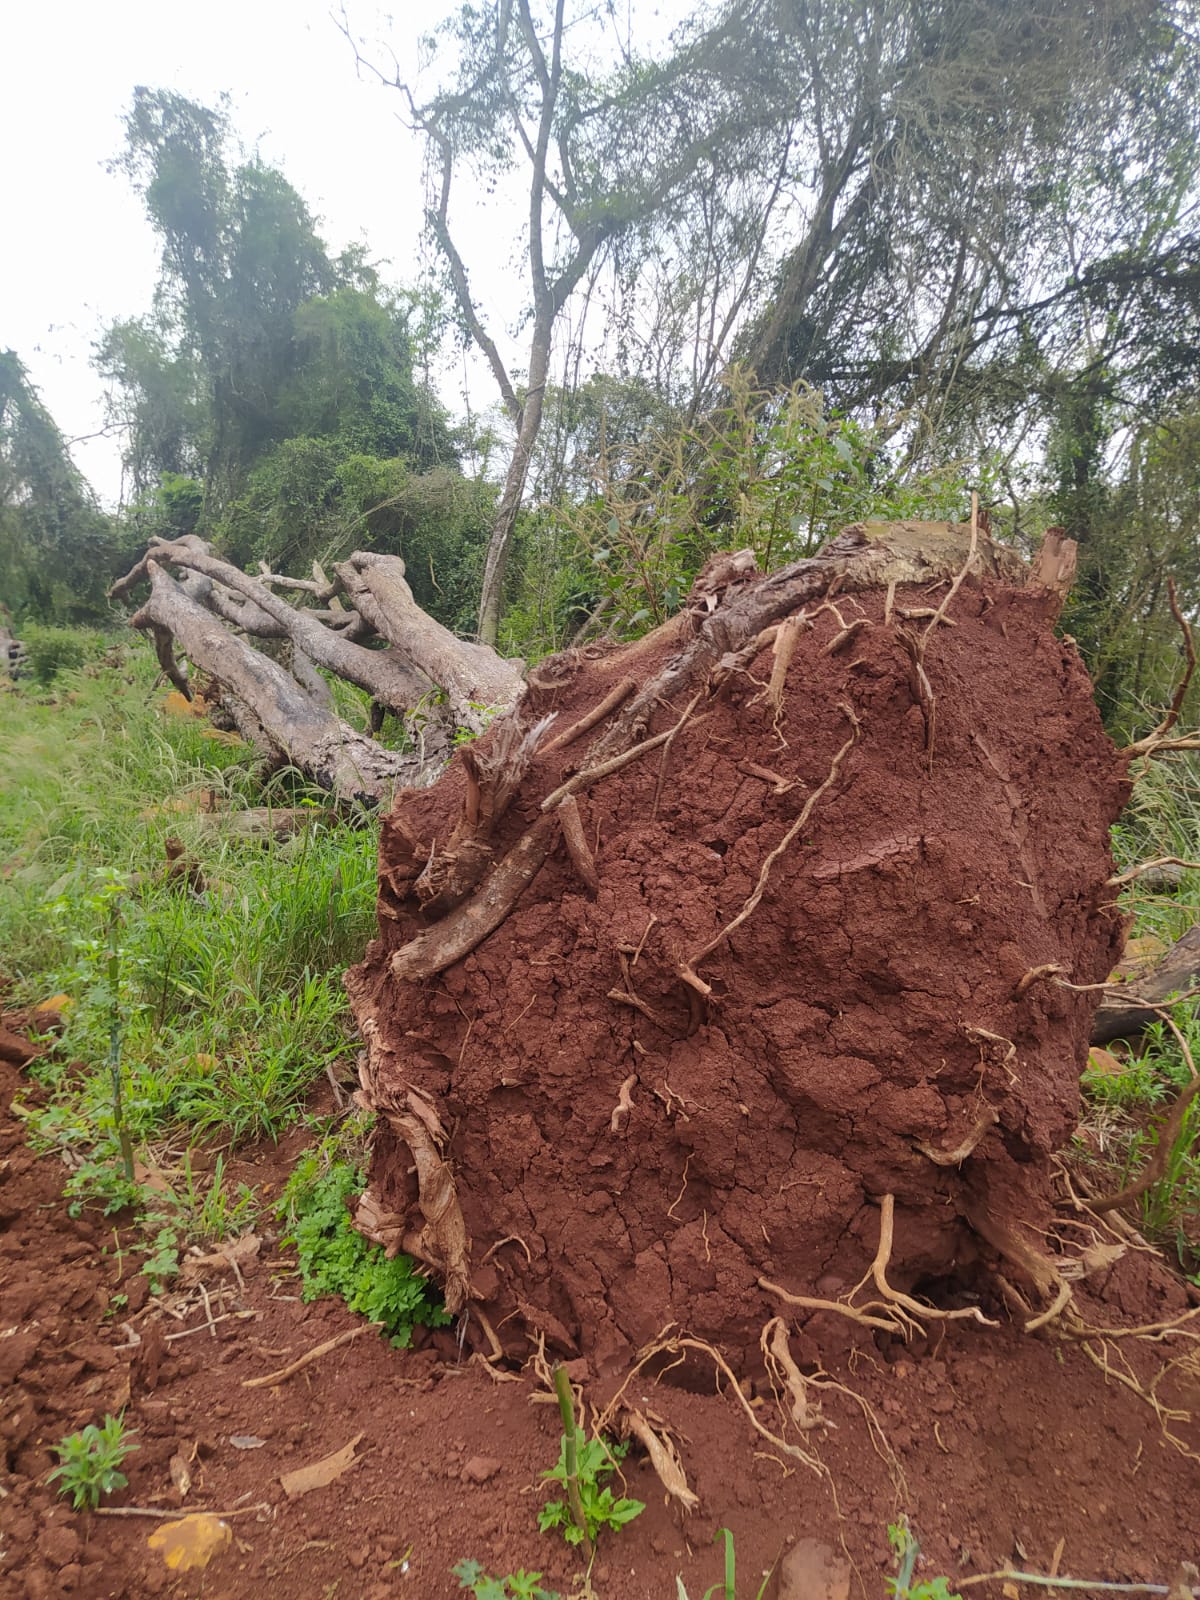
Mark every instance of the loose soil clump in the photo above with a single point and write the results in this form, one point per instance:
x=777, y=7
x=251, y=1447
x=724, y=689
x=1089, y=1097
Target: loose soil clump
x=684, y=999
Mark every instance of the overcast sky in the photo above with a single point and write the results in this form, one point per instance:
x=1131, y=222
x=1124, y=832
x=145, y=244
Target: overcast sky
x=77, y=251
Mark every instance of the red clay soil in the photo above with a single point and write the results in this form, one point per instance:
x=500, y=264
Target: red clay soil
x=997, y=1445
x=870, y=1005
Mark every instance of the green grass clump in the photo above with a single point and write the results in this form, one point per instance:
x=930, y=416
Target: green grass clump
x=229, y=1001
x=334, y=1258
x=90, y=1461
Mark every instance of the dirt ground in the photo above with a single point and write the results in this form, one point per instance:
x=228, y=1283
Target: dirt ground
x=996, y=1445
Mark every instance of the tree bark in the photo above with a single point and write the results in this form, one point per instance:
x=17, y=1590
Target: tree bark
x=473, y=676
x=346, y=762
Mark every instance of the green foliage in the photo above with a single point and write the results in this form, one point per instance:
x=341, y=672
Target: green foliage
x=906, y=1550
x=54, y=650
x=230, y=1002
x=766, y=470
x=57, y=549
x=334, y=1258
x=726, y=1589
x=520, y=1585
x=596, y=1460
x=90, y=1461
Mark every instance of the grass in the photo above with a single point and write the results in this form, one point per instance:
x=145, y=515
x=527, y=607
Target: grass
x=1124, y=1108
x=229, y=1002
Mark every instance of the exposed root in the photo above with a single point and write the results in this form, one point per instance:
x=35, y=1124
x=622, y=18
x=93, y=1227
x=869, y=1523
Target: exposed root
x=578, y=848
x=628, y=996
x=847, y=634
x=787, y=636
x=1048, y=969
x=615, y=697
x=604, y=769
x=778, y=785
x=986, y=1120
x=664, y=1457
x=864, y=1316
x=915, y=1308
x=677, y=1345
x=624, y=1104
x=919, y=684
x=686, y=969
x=786, y=1375
x=1061, y=1300
x=509, y=1238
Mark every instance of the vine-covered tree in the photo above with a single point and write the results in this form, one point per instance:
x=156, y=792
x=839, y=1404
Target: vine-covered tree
x=57, y=548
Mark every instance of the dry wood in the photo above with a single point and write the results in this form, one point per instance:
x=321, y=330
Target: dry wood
x=306, y=1360
x=1159, y=738
x=576, y=842
x=288, y=721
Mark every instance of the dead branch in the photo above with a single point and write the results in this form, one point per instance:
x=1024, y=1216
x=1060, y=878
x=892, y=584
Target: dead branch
x=1155, y=1169
x=1158, y=739
x=1123, y=878
x=315, y=1354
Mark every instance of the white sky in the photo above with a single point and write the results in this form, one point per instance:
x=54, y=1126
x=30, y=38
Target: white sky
x=77, y=251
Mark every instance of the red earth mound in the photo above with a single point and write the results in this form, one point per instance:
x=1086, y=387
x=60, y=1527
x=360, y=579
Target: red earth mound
x=797, y=958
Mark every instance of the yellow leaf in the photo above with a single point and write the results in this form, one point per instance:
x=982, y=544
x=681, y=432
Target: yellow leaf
x=191, y=1542
x=56, y=1005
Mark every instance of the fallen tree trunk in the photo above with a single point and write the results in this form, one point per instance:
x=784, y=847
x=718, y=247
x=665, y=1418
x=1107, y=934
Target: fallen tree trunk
x=285, y=718
x=1174, y=973
x=753, y=995
x=278, y=697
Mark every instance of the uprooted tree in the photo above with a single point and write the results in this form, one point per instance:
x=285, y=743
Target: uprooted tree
x=741, y=972
x=744, y=970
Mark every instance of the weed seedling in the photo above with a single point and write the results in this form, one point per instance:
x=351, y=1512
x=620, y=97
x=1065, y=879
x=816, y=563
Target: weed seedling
x=727, y=1588
x=906, y=1550
x=581, y=1465
x=520, y=1585
x=90, y=1461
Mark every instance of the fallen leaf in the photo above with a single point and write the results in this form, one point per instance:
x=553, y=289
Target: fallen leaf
x=56, y=1006
x=1103, y=1061
x=181, y=1475
x=813, y=1571
x=151, y=1178
x=1010, y=1591
x=316, y=1476
x=230, y=1257
x=178, y=705
x=192, y=1542
x=246, y=1441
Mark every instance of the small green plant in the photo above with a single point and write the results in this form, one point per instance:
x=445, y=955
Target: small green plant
x=520, y=1585
x=906, y=1550
x=90, y=1462
x=54, y=650
x=162, y=1259
x=334, y=1258
x=726, y=1589
x=582, y=1464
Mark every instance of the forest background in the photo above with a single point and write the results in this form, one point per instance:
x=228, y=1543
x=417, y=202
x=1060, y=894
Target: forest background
x=791, y=265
